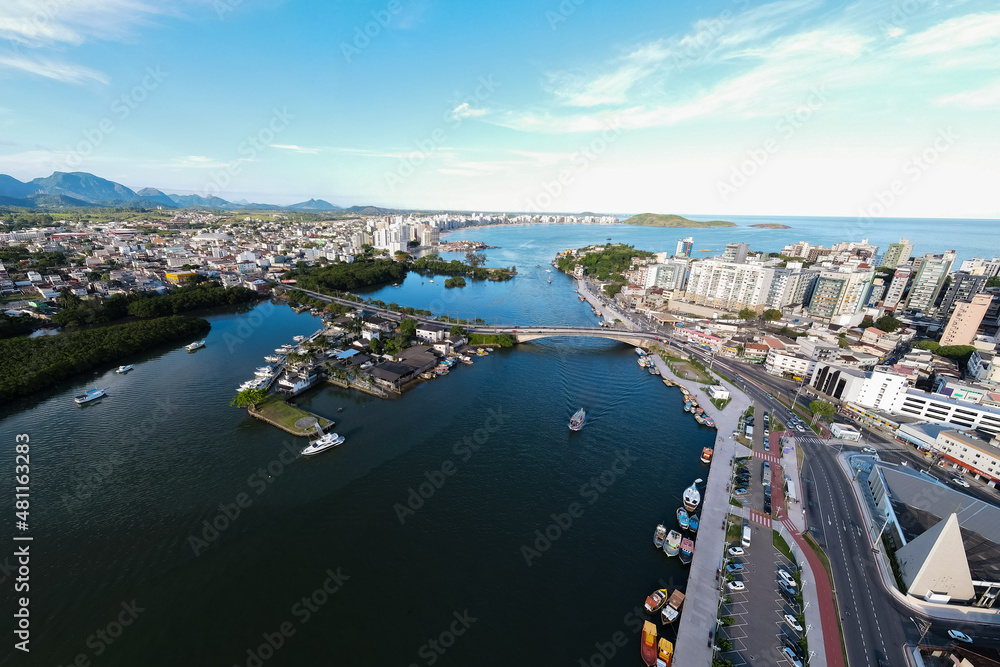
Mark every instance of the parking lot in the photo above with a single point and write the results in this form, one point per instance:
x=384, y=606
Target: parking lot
x=759, y=631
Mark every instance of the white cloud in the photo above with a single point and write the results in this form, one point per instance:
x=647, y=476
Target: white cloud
x=466, y=110
x=53, y=69
x=35, y=23
x=985, y=97
x=297, y=149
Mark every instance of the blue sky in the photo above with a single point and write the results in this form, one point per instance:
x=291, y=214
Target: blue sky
x=792, y=107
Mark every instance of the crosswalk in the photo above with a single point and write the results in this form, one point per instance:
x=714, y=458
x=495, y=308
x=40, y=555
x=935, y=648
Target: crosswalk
x=764, y=456
x=761, y=518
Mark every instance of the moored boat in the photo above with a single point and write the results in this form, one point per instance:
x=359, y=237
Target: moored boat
x=648, y=648
x=693, y=523
x=673, y=608
x=683, y=519
x=576, y=421
x=692, y=496
x=655, y=600
x=90, y=395
x=124, y=369
x=640, y=351
x=672, y=545
x=687, y=550
x=665, y=655
x=659, y=535
x=195, y=345
x=706, y=454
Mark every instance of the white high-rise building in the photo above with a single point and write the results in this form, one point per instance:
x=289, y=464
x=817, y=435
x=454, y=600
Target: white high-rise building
x=729, y=285
x=684, y=247
x=898, y=253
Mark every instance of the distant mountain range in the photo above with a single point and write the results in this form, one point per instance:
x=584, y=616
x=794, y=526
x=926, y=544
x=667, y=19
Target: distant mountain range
x=79, y=189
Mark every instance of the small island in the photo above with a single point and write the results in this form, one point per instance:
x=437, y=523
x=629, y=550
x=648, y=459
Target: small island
x=771, y=225
x=671, y=220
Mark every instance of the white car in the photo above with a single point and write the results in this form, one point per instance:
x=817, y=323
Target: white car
x=736, y=551
x=793, y=623
x=960, y=482
x=737, y=587
x=960, y=636
x=792, y=658
x=868, y=450
x=786, y=579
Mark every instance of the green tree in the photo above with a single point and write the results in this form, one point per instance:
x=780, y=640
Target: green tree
x=888, y=324
x=408, y=327
x=867, y=321
x=931, y=345
x=376, y=345
x=993, y=282
x=475, y=259
x=842, y=340
x=772, y=315
x=822, y=408
x=457, y=330
x=505, y=340
x=747, y=314
x=249, y=398
x=67, y=299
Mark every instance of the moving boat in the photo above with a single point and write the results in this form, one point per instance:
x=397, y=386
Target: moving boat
x=91, y=395
x=683, y=519
x=660, y=535
x=195, y=345
x=693, y=524
x=124, y=369
x=655, y=600
x=576, y=421
x=673, y=608
x=648, y=648
x=672, y=546
x=324, y=442
x=692, y=496
x=706, y=454
x=687, y=550
x=665, y=656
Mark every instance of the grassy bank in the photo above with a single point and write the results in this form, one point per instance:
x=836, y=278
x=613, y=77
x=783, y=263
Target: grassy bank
x=284, y=415
x=500, y=340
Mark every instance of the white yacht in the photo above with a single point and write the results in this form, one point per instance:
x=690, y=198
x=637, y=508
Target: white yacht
x=272, y=358
x=264, y=371
x=195, y=345
x=91, y=395
x=124, y=369
x=298, y=339
x=324, y=442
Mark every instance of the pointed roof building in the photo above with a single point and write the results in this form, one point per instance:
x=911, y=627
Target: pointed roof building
x=935, y=562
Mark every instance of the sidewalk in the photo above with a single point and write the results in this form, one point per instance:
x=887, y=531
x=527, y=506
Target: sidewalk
x=607, y=312
x=701, y=607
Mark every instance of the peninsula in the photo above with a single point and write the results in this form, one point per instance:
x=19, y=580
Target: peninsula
x=671, y=220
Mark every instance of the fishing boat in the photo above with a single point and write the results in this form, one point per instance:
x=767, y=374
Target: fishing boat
x=576, y=421
x=648, y=648
x=683, y=519
x=660, y=535
x=643, y=362
x=550, y=281
x=687, y=550
x=665, y=655
x=673, y=608
x=672, y=545
x=90, y=395
x=195, y=345
x=706, y=454
x=324, y=442
x=692, y=496
x=653, y=370
x=124, y=369
x=709, y=422
x=693, y=523
x=655, y=600
x=640, y=351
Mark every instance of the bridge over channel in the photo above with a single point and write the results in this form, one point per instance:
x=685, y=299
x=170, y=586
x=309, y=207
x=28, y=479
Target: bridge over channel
x=522, y=334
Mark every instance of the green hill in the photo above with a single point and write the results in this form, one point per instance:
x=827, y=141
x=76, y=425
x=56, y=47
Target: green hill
x=670, y=220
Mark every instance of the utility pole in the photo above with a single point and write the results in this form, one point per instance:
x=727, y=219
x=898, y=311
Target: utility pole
x=923, y=627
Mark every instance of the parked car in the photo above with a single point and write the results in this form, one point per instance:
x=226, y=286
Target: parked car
x=736, y=551
x=786, y=578
x=736, y=586
x=788, y=593
x=960, y=636
x=740, y=492
x=793, y=623
x=767, y=507
x=792, y=658
x=960, y=482
x=734, y=567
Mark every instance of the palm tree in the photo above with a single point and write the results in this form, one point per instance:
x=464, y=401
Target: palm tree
x=249, y=398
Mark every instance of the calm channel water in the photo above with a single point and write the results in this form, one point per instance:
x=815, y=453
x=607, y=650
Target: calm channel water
x=119, y=488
